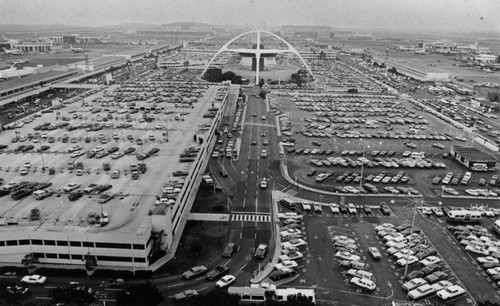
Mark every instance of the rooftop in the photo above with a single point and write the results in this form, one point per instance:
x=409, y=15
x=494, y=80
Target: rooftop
x=135, y=199
x=474, y=154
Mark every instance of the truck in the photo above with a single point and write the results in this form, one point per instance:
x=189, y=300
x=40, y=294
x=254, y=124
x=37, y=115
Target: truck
x=106, y=166
x=216, y=272
x=42, y=194
x=71, y=165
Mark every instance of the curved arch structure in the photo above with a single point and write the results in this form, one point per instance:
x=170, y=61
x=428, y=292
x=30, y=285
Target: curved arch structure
x=257, y=52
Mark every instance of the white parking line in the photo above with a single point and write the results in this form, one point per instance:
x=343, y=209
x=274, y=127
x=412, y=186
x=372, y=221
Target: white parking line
x=175, y=285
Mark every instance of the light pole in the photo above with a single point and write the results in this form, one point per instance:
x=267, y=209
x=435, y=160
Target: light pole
x=363, y=162
x=417, y=201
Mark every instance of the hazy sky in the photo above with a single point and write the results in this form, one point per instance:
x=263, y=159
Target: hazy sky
x=459, y=15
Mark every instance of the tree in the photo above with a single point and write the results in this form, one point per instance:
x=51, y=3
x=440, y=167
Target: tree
x=228, y=76
x=293, y=300
x=12, y=294
x=219, y=298
x=80, y=296
x=213, y=74
x=143, y=294
x=196, y=247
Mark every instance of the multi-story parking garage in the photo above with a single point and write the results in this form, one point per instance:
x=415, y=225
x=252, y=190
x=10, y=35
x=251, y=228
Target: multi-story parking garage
x=60, y=231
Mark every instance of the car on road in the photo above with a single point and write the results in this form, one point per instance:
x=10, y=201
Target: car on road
x=230, y=249
x=224, y=173
x=34, y=279
x=186, y=295
x=263, y=183
x=260, y=251
x=194, y=271
x=216, y=272
x=225, y=281
x=374, y=253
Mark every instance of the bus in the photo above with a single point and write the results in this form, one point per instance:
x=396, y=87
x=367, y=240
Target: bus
x=463, y=215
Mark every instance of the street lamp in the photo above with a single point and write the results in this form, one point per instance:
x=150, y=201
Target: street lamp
x=363, y=162
x=416, y=201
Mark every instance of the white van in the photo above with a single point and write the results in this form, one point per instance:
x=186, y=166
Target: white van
x=360, y=273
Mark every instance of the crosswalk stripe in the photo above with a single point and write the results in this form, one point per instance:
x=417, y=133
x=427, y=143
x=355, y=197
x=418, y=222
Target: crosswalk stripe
x=251, y=218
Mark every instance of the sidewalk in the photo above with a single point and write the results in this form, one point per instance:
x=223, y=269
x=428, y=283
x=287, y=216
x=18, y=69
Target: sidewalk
x=264, y=273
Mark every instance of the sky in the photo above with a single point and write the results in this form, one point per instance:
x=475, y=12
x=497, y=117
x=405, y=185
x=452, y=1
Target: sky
x=438, y=15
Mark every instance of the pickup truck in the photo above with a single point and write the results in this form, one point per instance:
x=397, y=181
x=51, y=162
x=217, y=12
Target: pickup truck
x=216, y=272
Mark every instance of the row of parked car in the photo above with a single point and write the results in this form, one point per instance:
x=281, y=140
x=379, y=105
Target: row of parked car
x=355, y=271
x=409, y=247
x=387, y=162
x=484, y=247
x=292, y=245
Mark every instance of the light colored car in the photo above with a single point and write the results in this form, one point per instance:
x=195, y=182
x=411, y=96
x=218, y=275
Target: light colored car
x=34, y=279
x=426, y=211
x=194, y=271
x=493, y=271
x=76, y=154
x=293, y=256
x=263, y=183
x=335, y=208
x=421, y=292
x=363, y=283
x=98, y=149
x=374, y=252
x=430, y=260
x=487, y=259
x=226, y=280
x=407, y=260
x=347, y=256
x=450, y=292
x=117, y=155
x=71, y=187
x=24, y=171
x=437, y=211
x=477, y=250
x=287, y=264
x=414, y=283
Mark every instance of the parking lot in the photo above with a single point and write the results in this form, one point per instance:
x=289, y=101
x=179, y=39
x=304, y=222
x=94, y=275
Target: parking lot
x=322, y=270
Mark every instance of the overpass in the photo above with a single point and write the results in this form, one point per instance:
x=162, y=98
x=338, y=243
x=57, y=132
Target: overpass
x=75, y=86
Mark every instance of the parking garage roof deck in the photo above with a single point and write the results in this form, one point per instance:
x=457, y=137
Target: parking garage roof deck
x=136, y=200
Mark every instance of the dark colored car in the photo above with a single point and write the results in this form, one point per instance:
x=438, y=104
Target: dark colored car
x=216, y=272
x=113, y=149
x=230, y=249
x=75, y=195
x=129, y=150
x=22, y=193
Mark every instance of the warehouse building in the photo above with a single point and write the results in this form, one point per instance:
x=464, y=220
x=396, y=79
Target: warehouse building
x=473, y=158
